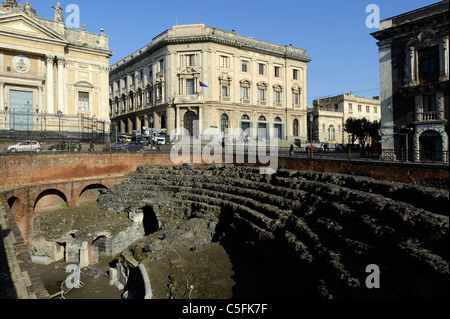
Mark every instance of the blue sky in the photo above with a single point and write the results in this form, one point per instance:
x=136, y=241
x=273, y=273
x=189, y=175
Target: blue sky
x=334, y=33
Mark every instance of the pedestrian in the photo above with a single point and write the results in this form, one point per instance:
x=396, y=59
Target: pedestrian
x=291, y=151
x=91, y=146
x=158, y=146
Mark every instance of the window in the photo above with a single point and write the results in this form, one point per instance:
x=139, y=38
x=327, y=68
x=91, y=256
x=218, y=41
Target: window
x=277, y=71
x=190, y=60
x=224, y=62
x=296, y=100
x=350, y=107
x=429, y=64
x=367, y=109
x=83, y=101
x=295, y=126
x=277, y=97
x=190, y=87
x=161, y=65
x=261, y=93
x=150, y=73
x=359, y=108
x=224, y=90
x=131, y=79
x=375, y=109
x=429, y=103
x=331, y=133
x=245, y=93
x=295, y=74
x=141, y=75
x=244, y=66
x=261, y=69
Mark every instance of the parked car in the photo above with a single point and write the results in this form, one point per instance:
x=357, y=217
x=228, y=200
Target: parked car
x=314, y=148
x=134, y=146
x=63, y=146
x=124, y=138
x=25, y=146
x=119, y=146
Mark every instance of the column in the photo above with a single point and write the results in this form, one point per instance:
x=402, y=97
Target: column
x=61, y=106
x=444, y=58
x=2, y=96
x=49, y=83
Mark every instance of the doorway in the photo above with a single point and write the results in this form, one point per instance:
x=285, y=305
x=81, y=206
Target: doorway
x=21, y=110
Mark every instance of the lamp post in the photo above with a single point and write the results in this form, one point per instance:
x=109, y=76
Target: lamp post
x=311, y=121
x=59, y=114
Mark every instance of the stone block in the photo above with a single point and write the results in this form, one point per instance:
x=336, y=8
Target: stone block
x=41, y=260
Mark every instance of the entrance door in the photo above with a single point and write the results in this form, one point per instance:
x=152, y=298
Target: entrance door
x=21, y=110
x=191, y=123
x=431, y=146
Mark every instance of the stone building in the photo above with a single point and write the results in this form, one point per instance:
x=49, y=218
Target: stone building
x=414, y=73
x=331, y=113
x=52, y=78
x=222, y=80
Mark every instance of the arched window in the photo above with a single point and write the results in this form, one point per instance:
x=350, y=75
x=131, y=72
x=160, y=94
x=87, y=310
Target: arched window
x=295, y=126
x=331, y=133
x=245, y=117
x=262, y=119
x=278, y=120
x=224, y=124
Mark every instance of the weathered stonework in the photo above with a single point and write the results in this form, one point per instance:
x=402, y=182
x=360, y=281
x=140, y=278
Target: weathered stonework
x=313, y=230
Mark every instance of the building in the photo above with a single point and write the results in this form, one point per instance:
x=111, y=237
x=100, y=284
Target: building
x=52, y=78
x=414, y=73
x=222, y=80
x=331, y=113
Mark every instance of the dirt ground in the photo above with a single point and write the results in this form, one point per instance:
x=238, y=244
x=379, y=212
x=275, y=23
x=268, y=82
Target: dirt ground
x=184, y=274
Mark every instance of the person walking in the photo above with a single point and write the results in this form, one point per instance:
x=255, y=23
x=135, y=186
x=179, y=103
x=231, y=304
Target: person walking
x=291, y=150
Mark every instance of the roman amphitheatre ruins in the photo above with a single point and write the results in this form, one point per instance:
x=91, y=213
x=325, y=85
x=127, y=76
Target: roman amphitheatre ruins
x=298, y=233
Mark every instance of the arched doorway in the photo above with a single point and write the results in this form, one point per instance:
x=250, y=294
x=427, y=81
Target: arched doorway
x=224, y=124
x=431, y=146
x=190, y=119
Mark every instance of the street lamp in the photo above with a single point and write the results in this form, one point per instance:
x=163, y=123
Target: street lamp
x=59, y=114
x=311, y=121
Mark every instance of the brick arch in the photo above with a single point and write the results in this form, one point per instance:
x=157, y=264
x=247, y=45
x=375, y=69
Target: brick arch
x=50, y=192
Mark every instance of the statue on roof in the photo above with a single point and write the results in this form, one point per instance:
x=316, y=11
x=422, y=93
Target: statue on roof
x=58, y=12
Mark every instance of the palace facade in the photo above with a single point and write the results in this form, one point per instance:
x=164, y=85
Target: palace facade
x=197, y=74
x=52, y=78
x=331, y=113
x=414, y=77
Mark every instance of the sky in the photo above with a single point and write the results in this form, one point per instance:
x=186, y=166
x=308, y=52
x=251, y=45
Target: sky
x=334, y=33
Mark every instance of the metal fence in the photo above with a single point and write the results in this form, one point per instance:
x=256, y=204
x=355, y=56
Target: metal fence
x=16, y=126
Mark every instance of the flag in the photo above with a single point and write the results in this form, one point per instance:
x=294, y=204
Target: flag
x=203, y=85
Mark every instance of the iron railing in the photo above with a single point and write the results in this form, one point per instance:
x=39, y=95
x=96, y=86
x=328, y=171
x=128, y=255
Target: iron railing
x=16, y=126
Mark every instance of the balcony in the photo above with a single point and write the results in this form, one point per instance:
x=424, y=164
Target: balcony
x=430, y=116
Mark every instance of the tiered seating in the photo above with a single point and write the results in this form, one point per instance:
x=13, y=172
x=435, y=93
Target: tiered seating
x=327, y=227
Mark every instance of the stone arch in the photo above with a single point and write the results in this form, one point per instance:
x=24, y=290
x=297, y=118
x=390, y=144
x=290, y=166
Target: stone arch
x=50, y=199
x=151, y=221
x=90, y=192
x=436, y=128
x=15, y=205
x=101, y=244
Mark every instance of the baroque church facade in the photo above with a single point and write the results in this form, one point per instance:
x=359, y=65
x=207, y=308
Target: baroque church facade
x=232, y=84
x=52, y=78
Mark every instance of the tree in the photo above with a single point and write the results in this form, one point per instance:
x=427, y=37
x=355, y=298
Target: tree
x=362, y=130
x=354, y=128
